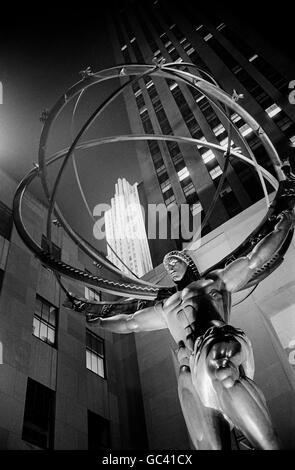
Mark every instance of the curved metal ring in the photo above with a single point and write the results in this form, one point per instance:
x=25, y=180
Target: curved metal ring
x=105, y=75
x=165, y=71
x=139, y=288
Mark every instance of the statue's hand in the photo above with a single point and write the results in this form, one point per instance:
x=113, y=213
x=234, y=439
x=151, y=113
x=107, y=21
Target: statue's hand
x=93, y=318
x=287, y=215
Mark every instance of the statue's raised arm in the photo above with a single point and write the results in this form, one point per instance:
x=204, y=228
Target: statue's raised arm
x=239, y=272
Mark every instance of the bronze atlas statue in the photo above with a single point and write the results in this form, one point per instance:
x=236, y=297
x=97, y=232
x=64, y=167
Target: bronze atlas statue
x=216, y=365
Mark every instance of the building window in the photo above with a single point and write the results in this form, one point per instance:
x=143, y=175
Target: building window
x=166, y=186
x=95, y=353
x=167, y=194
x=196, y=208
x=208, y=156
x=219, y=129
x=170, y=201
x=173, y=85
x=235, y=117
x=266, y=69
x=253, y=57
x=98, y=432
x=216, y=172
x=190, y=51
x=182, y=174
x=38, y=423
x=245, y=130
x=44, y=322
x=273, y=110
x=6, y=221
x=208, y=37
x=189, y=189
x=220, y=26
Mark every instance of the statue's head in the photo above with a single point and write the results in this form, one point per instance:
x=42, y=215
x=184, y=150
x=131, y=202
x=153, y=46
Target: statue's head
x=180, y=266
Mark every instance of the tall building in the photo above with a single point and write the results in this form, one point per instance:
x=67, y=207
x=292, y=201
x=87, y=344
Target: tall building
x=64, y=384
x=125, y=231
x=238, y=60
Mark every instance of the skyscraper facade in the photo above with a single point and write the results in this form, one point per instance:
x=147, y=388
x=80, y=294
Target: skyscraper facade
x=64, y=385
x=142, y=32
x=125, y=231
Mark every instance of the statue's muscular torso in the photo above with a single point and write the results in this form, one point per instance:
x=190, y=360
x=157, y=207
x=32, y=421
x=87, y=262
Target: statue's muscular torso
x=212, y=304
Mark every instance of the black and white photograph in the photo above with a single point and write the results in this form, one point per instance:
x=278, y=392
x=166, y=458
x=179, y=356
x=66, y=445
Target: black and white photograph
x=147, y=195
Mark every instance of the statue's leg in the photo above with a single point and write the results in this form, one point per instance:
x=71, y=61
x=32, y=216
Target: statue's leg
x=207, y=427
x=239, y=398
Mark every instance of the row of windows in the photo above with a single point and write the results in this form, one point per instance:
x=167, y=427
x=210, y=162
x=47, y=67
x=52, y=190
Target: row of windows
x=272, y=75
x=173, y=148
x=214, y=169
x=188, y=116
x=44, y=321
x=38, y=423
x=258, y=93
x=284, y=123
x=153, y=145
x=45, y=314
x=205, y=108
x=45, y=327
x=264, y=67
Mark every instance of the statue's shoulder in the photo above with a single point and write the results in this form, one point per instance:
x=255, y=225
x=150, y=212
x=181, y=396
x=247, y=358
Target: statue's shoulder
x=216, y=275
x=200, y=284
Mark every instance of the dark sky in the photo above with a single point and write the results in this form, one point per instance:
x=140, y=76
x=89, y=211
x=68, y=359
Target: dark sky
x=39, y=60
x=42, y=50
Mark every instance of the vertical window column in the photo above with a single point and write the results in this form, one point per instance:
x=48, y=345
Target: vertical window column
x=45, y=321
x=95, y=357
x=38, y=424
x=98, y=432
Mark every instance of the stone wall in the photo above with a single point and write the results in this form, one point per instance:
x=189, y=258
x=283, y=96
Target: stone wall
x=63, y=369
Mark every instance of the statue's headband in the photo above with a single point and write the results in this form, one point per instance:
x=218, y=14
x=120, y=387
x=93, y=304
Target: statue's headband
x=183, y=256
